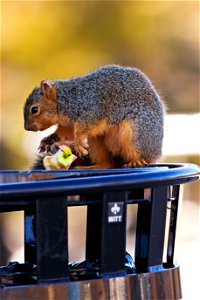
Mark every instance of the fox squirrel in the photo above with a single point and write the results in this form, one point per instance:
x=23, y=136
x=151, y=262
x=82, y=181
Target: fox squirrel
x=113, y=113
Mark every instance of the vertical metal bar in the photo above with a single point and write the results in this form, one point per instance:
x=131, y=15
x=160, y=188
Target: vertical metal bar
x=157, y=232
x=150, y=231
x=52, y=240
x=30, y=234
x=94, y=229
x=106, y=231
x=142, y=236
x=172, y=225
x=113, y=243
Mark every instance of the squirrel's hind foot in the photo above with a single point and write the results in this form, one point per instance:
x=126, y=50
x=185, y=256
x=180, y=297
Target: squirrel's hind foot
x=135, y=164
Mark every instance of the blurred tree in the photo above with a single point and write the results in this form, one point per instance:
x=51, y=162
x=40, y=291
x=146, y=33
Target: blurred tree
x=61, y=39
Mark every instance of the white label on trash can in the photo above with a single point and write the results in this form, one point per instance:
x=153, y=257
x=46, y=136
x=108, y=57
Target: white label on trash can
x=115, y=212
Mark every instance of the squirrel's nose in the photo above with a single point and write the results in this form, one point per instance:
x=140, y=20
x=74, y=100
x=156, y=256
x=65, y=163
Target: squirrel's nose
x=28, y=127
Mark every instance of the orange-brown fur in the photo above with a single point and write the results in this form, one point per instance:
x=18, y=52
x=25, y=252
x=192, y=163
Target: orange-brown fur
x=120, y=141
x=105, y=142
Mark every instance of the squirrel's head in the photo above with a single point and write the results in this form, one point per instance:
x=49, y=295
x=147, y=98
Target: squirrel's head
x=40, y=109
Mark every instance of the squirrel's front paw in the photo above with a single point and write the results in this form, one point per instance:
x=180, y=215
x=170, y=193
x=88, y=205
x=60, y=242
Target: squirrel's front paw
x=48, y=144
x=81, y=148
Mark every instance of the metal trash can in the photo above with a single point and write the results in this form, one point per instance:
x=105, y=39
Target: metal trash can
x=108, y=271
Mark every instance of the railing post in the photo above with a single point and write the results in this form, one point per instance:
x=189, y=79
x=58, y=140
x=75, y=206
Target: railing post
x=172, y=225
x=106, y=231
x=52, y=244
x=30, y=246
x=150, y=231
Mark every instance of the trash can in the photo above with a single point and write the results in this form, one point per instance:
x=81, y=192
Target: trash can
x=108, y=271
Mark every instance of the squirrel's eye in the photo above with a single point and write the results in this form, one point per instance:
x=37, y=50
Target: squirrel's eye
x=34, y=110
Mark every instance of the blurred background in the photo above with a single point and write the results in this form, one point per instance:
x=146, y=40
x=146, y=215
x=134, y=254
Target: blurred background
x=63, y=39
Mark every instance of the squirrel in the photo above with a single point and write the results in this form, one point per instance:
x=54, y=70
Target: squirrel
x=113, y=113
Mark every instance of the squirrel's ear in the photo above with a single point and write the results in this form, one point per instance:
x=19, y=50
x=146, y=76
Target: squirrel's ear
x=46, y=88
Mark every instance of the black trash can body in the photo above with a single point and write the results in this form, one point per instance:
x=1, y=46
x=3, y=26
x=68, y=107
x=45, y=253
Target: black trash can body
x=108, y=271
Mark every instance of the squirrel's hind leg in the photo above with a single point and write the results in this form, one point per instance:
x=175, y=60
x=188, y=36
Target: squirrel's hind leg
x=121, y=141
x=132, y=156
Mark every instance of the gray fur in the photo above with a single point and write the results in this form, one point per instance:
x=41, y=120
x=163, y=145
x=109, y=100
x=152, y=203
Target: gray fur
x=116, y=93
